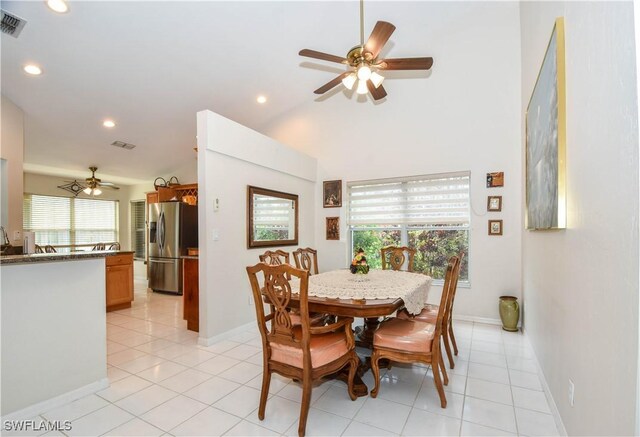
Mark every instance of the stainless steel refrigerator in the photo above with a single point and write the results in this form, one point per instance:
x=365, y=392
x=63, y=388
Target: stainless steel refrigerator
x=173, y=227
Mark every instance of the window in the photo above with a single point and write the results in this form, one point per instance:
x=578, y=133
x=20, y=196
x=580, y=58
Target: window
x=429, y=213
x=138, y=208
x=70, y=221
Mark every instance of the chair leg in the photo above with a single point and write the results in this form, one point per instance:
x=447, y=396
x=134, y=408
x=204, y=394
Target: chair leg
x=266, y=382
x=444, y=369
x=438, y=382
x=375, y=368
x=353, y=368
x=304, y=408
x=453, y=339
x=447, y=347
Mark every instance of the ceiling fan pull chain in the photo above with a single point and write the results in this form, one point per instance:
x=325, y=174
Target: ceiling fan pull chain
x=362, y=23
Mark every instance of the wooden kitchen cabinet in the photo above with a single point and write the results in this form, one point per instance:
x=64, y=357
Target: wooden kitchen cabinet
x=119, y=277
x=190, y=293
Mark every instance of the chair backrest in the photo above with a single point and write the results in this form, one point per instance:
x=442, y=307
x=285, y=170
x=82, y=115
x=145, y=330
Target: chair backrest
x=50, y=249
x=453, y=286
x=39, y=249
x=114, y=246
x=393, y=257
x=443, y=309
x=274, y=257
x=306, y=259
x=99, y=246
x=275, y=291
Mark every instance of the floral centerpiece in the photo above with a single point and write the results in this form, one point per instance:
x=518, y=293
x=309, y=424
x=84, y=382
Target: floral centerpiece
x=359, y=264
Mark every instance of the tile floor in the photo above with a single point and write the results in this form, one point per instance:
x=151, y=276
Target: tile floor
x=163, y=383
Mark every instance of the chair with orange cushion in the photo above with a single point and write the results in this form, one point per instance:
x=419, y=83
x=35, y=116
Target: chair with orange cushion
x=407, y=341
x=430, y=313
x=301, y=352
x=393, y=257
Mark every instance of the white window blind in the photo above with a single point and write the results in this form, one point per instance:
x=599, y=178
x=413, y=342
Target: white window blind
x=138, y=228
x=70, y=221
x=441, y=199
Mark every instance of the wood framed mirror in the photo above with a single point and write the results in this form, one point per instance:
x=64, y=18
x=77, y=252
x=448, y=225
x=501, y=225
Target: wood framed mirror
x=272, y=218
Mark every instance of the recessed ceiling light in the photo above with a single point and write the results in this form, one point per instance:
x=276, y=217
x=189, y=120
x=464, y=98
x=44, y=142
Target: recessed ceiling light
x=109, y=123
x=261, y=99
x=32, y=69
x=59, y=6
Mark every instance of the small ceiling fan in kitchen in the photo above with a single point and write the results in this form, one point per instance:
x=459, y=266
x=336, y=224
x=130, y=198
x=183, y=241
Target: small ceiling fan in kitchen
x=365, y=66
x=92, y=185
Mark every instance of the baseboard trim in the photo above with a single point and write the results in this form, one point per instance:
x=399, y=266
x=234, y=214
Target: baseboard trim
x=208, y=341
x=547, y=391
x=58, y=401
x=485, y=320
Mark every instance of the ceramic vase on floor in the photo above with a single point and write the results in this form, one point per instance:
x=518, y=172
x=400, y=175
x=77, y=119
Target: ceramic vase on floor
x=509, y=312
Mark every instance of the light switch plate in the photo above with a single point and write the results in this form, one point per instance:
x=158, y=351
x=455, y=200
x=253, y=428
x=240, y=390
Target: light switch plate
x=17, y=235
x=216, y=234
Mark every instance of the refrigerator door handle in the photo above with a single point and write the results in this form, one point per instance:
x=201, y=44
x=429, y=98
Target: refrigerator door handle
x=161, y=230
x=160, y=261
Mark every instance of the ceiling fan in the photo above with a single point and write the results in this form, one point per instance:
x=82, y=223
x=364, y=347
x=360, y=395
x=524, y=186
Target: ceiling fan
x=94, y=184
x=364, y=63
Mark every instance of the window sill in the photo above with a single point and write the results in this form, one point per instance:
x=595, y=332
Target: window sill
x=461, y=284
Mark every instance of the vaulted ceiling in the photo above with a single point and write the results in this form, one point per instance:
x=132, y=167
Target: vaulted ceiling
x=150, y=66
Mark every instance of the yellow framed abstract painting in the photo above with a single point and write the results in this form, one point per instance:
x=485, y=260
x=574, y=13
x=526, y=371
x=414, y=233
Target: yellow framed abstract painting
x=546, y=206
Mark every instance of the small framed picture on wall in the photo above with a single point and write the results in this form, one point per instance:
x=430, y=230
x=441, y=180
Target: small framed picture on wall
x=495, y=227
x=333, y=228
x=494, y=203
x=332, y=194
x=495, y=179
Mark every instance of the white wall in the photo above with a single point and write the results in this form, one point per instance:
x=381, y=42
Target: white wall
x=12, y=150
x=48, y=185
x=231, y=157
x=464, y=116
x=54, y=334
x=581, y=284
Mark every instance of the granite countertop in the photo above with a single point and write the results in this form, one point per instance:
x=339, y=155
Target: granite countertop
x=51, y=257
x=189, y=257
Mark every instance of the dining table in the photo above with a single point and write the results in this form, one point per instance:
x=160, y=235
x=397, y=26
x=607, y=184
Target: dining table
x=379, y=293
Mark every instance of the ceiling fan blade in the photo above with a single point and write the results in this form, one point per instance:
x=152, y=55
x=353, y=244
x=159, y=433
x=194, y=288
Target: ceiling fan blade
x=323, y=56
x=376, y=93
x=327, y=86
x=407, y=64
x=378, y=38
x=108, y=185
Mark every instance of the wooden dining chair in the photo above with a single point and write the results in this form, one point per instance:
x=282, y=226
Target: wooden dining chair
x=407, y=341
x=114, y=246
x=394, y=257
x=50, y=249
x=99, y=246
x=39, y=249
x=429, y=314
x=275, y=257
x=306, y=259
x=301, y=352
x=280, y=257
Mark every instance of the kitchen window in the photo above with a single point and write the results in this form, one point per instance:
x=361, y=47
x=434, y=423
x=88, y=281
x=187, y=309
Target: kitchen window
x=430, y=213
x=64, y=221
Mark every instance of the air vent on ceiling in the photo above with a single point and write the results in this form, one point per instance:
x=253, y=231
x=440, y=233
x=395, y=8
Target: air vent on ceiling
x=11, y=25
x=123, y=145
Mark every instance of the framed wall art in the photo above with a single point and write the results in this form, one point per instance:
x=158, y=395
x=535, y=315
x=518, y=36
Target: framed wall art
x=332, y=194
x=494, y=203
x=495, y=227
x=495, y=179
x=546, y=140
x=333, y=228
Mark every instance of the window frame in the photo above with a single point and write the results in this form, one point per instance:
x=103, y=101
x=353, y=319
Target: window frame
x=72, y=230
x=134, y=230
x=404, y=228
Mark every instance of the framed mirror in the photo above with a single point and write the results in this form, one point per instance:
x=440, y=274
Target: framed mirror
x=272, y=218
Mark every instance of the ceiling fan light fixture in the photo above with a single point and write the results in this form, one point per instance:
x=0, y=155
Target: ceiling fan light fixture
x=364, y=72
x=87, y=190
x=349, y=81
x=376, y=79
x=362, y=87
x=97, y=191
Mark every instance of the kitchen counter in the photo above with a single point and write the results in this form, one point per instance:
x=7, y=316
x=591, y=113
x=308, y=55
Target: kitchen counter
x=189, y=257
x=52, y=257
